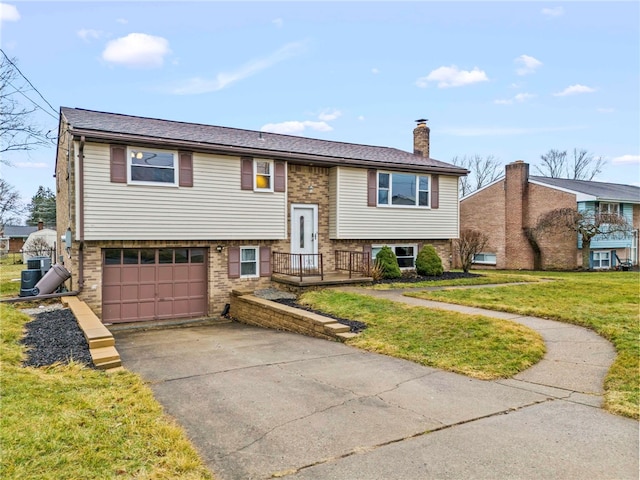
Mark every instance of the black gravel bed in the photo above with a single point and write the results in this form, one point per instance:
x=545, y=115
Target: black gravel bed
x=354, y=325
x=413, y=277
x=55, y=337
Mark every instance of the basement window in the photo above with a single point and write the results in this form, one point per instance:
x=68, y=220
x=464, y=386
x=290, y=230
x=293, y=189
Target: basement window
x=484, y=258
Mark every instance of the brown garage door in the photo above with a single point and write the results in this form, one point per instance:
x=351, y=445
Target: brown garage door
x=141, y=284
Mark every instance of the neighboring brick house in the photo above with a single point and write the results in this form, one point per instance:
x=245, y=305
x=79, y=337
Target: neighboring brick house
x=163, y=219
x=505, y=208
x=15, y=236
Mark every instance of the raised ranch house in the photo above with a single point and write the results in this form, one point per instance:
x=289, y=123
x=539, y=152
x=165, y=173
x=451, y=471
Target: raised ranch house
x=162, y=219
x=505, y=208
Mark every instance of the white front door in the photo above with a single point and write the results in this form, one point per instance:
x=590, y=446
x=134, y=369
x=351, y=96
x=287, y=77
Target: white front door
x=304, y=232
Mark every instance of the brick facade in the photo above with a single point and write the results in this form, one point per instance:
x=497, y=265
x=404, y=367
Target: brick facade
x=506, y=208
x=299, y=180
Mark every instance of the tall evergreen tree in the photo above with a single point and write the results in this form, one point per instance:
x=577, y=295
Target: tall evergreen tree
x=42, y=208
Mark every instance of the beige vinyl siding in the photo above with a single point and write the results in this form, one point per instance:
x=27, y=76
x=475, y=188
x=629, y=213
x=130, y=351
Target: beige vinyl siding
x=215, y=208
x=355, y=220
x=333, y=202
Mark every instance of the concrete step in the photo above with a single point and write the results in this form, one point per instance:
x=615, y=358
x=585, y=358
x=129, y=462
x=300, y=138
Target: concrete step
x=346, y=335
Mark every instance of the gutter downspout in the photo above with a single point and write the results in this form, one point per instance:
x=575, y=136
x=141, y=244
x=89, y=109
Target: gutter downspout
x=81, y=215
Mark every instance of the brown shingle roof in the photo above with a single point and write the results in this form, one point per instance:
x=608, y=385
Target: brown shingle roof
x=117, y=127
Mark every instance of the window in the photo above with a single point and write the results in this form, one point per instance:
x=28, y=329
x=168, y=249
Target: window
x=152, y=166
x=263, y=174
x=403, y=189
x=609, y=208
x=485, y=258
x=406, y=254
x=601, y=259
x=249, y=262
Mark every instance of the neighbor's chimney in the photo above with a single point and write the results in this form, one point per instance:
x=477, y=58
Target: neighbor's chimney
x=421, y=138
x=40, y=225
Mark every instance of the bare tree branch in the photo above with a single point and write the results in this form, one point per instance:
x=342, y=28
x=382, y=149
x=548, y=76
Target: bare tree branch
x=557, y=164
x=470, y=243
x=11, y=207
x=18, y=130
x=482, y=171
x=586, y=223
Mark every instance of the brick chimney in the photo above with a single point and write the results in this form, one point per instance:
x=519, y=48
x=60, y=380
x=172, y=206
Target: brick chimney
x=421, y=138
x=516, y=196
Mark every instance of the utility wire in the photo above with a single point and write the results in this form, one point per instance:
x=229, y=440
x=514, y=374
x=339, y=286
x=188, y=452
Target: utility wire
x=32, y=86
x=36, y=104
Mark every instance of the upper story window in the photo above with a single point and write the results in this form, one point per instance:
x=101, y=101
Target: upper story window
x=403, y=189
x=609, y=208
x=263, y=175
x=152, y=166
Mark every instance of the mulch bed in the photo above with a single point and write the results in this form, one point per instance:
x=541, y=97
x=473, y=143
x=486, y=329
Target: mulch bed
x=55, y=337
x=354, y=326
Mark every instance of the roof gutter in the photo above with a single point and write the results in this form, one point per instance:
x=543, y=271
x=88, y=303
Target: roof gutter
x=292, y=157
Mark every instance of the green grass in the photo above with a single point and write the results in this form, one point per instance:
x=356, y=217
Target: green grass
x=606, y=302
x=8, y=273
x=68, y=421
x=484, y=280
x=476, y=346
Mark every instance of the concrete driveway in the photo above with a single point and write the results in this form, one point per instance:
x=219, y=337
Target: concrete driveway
x=260, y=404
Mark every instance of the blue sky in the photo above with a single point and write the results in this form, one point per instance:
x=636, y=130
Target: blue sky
x=509, y=79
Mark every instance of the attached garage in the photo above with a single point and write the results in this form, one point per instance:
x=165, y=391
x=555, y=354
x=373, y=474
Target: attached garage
x=140, y=284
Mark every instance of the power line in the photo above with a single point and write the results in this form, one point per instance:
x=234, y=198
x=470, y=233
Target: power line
x=32, y=101
x=31, y=84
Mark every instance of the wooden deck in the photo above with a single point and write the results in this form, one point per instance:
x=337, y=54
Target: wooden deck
x=331, y=278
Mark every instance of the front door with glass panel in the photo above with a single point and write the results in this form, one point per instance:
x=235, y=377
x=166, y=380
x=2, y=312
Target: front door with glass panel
x=304, y=236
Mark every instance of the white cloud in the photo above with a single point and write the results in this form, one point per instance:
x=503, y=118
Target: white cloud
x=574, y=89
x=9, y=13
x=553, y=12
x=527, y=64
x=328, y=115
x=295, y=126
x=519, y=98
x=122, y=21
x=605, y=110
x=452, y=77
x=87, y=34
x=137, y=50
x=199, y=85
x=503, y=131
x=375, y=71
x=31, y=165
x=278, y=22
x=361, y=118
x=626, y=159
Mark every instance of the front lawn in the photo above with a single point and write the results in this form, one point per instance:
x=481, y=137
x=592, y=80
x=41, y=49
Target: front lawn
x=473, y=345
x=606, y=302
x=69, y=421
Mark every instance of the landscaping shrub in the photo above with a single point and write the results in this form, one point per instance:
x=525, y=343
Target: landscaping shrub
x=428, y=262
x=388, y=263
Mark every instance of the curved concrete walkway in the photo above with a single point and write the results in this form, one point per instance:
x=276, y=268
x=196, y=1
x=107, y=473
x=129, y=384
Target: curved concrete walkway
x=262, y=404
x=576, y=362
